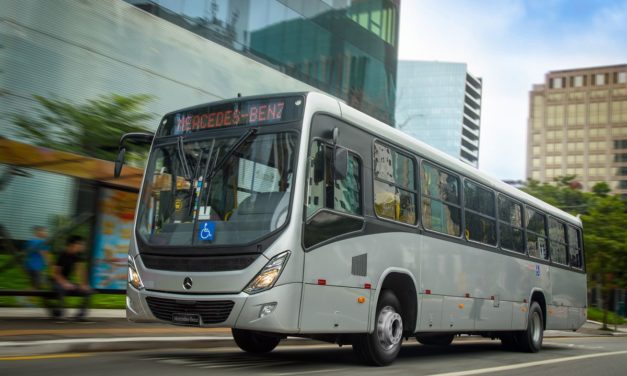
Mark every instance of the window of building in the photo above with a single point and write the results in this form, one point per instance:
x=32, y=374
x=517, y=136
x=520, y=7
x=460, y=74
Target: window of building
x=510, y=225
x=557, y=241
x=536, y=234
x=441, y=200
x=598, y=113
x=620, y=144
x=574, y=248
x=621, y=171
x=394, y=185
x=535, y=162
x=577, y=81
x=620, y=77
x=479, y=213
x=557, y=83
x=620, y=158
x=535, y=175
x=599, y=79
x=619, y=112
x=622, y=184
x=343, y=195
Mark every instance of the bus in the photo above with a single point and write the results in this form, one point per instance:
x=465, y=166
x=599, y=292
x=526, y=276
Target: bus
x=297, y=215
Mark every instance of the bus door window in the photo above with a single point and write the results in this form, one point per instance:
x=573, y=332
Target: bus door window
x=343, y=195
x=510, y=225
x=574, y=248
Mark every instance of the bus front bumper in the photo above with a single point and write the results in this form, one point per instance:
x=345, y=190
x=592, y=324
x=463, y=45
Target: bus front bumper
x=275, y=310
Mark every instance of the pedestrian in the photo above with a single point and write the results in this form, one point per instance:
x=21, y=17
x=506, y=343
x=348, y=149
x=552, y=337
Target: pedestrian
x=37, y=256
x=71, y=266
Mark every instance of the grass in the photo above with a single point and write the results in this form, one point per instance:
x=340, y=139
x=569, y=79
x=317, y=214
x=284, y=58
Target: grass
x=15, y=278
x=596, y=314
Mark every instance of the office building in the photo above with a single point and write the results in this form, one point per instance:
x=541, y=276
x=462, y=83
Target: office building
x=182, y=53
x=578, y=126
x=440, y=103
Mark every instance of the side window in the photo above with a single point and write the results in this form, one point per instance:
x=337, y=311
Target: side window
x=575, y=250
x=557, y=241
x=536, y=234
x=480, y=213
x=511, y=225
x=343, y=195
x=394, y=186
x=441, y=203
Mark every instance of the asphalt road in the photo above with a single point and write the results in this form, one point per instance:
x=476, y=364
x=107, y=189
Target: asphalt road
x=468, y=356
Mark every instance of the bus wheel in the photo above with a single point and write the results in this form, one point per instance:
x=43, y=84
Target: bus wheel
x=254, y=342
x=435, y=339
x=381, y=347
x=530, y=340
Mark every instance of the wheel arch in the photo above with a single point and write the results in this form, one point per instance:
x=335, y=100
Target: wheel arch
x=403, y=283
x=537, y=295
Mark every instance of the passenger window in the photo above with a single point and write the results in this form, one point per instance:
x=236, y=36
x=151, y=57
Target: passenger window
x=557, y=241
x=510, y=225
x=343, y=195
x=574, y=248
x=480, y=213
x=394, y=186
x=440, y=204
x=536, y=234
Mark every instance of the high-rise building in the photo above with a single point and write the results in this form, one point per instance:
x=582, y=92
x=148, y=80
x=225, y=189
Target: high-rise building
x=345, y=48
x=440, y=103
x=578, y=126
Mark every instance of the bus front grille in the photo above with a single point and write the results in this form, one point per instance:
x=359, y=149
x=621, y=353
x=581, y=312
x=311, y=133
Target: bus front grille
x=211, y=312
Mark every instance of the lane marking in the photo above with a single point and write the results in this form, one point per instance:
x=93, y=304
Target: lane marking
x=308, y=372
x=530, y=364
x=51, y=356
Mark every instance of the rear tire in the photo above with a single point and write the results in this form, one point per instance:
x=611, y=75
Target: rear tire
x=254, y=342
x=530, y=340
x=381, y=347
x=435, y=339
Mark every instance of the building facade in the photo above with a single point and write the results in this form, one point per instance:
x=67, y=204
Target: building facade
x=182, y=53
x=578, y=126
x=440, y=104
x=346, y=48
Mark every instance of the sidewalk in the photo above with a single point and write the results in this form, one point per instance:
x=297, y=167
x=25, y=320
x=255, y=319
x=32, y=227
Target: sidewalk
x=29, y=331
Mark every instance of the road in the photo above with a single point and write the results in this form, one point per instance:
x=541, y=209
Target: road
x=467, y=356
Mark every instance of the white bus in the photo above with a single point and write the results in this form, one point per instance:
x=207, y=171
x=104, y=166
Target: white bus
x=297, y=215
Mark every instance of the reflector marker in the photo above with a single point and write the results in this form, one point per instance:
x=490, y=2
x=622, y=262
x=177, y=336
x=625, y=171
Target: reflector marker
x=428, y=292
x=367, y=286
x=322, y=282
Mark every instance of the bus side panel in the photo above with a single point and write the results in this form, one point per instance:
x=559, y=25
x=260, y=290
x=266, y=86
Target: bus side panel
x=492, y=314
x=341, y=264
x=334, y=309
x=519, y=316
x=430, y=318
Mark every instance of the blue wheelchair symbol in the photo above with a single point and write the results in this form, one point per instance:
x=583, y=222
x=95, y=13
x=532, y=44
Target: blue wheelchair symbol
x=206, y=230
x=537, y=270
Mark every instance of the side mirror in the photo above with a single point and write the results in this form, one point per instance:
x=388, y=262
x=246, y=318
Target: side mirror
x=340, y=162
x=119, y=162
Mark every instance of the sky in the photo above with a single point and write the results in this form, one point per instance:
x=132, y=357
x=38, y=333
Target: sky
x=512, y=44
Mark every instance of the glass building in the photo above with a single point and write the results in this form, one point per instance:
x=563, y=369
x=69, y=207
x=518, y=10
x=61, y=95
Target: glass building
x=182, y=53
x=440, y=104
x=347, y=48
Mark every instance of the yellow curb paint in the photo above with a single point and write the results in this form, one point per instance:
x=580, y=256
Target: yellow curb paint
x=50, y=356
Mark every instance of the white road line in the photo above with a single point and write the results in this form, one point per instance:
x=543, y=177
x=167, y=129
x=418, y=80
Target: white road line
x=531, y=364
x=308, y=372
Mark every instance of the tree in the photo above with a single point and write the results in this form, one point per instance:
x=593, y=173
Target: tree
x=604, y=220
x=92, y=129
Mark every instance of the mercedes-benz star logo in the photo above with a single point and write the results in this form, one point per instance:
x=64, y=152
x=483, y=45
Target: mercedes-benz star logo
x=187, y=283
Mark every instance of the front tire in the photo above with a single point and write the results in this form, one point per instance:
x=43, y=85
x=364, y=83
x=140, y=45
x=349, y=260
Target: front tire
x=530, y=340
x=381, y=347
x=254, y=342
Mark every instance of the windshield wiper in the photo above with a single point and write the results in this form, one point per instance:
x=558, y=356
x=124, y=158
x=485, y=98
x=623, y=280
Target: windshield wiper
x=230, y=152
x=187, y=173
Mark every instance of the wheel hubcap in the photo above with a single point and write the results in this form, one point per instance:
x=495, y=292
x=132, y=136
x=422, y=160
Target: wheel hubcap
x=536, y=328
x=389, y=328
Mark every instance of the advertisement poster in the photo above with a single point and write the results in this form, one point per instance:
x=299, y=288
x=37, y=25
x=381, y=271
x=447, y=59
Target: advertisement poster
x=113, y=234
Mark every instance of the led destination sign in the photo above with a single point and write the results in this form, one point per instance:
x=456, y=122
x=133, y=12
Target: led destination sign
x=252, y=112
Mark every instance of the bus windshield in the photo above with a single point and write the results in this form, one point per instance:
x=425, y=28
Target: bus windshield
x=217, y=191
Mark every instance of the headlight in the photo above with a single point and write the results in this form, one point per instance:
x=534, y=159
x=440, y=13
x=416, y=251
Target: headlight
x=133, y=276
x=268, y=275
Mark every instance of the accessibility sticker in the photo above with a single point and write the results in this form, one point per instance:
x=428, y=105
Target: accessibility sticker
x=206, y=230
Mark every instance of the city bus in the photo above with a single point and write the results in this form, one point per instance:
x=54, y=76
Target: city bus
x=297, y=215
